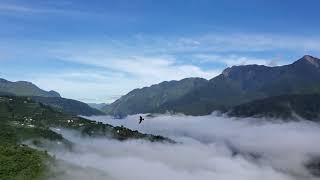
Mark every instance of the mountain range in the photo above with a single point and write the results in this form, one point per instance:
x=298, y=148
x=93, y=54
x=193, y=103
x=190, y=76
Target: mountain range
x=25, y=121
x=234, y=86
x=236, y=90
x=148, y=99
x=51, y=98
x=28, y=113
x=24, y=88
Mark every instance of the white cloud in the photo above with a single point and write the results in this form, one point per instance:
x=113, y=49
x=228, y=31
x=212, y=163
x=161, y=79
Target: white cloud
x=231, y=60
x=117, y=77
x=146, y=68
x=155, y=69
x=141, y=60
x=225, y=42
x=205, y=149
x=90, y=86
x=14, y=7
x=27, y=8
x=144, y=60
x=248, y=43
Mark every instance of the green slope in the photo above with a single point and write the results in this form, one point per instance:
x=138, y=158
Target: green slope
x=68, y=105
x=24, y=88
x=51, y=98
x=22, y=119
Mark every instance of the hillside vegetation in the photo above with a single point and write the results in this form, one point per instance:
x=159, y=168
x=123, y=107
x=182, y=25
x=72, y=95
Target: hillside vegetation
x=24, y=120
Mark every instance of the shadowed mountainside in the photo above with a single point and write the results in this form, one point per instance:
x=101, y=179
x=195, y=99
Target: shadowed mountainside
x=24, y=88
x=236, y=85
x=151, y=98
x=68, y=105
x=296, y=106
x=51, y=98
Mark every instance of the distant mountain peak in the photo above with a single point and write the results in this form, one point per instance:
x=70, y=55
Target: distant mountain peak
x=310, y=60
x=236, y=85
x=308, y=57
x=226, y=71
x=24, y=88
x=243, y=69
x=3, y=80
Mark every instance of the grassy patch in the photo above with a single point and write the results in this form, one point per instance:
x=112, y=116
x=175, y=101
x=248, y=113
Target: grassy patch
x=21, y=162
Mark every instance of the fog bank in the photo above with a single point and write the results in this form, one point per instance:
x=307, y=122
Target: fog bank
x=210, y=147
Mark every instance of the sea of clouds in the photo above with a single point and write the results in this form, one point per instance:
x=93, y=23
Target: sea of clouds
x=209, y=147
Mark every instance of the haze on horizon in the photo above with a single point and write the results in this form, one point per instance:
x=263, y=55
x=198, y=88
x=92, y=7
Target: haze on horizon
x=97, y=51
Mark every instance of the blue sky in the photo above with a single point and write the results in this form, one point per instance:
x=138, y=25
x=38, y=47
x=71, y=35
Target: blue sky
x=96, y=51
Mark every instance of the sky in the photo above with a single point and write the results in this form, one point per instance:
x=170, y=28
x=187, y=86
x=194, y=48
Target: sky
x=98, y=50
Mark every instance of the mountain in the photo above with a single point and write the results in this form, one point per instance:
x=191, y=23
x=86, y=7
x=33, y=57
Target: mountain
x=68, y=105
x=294, y=106
x=25, y=112
x=234, y=86
x=51, y=98
x=98, y=106
x=6, y=94
x=150, y=98
x=24, y=88
x=241, y=84
x=23, y=120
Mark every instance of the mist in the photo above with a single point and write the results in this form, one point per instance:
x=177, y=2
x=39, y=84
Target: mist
x=208, y=147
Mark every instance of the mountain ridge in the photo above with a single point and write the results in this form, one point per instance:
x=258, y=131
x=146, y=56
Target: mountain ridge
x=149, y=98
x=25, y=88
x=286, y=107
x=70, y=106
x=51, y=98
x=234, y=86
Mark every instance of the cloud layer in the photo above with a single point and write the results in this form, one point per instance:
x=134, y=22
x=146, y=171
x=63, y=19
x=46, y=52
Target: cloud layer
x=210, y=147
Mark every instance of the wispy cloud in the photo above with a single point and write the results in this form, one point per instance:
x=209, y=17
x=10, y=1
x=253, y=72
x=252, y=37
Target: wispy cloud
x=88, y=85
x=27, y=8
x=249, y=42
x=225, y=42
x=118, y=65
x=66, y=9
x=231, y=60
x=151, y=69
x=109, y=55
x=53, y=8
x=17, y=8
x=127, y=74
